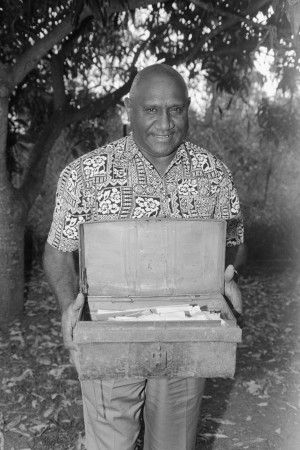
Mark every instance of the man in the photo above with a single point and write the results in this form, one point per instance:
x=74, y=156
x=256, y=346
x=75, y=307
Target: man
x=152, y=173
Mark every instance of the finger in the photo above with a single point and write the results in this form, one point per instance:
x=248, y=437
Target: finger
x=68, y=338
x=229, y=273
x=79, y=301
x=74, y=359
x=67, y=330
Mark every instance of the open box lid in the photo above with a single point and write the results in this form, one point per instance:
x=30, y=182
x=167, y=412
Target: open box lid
x=154, y=257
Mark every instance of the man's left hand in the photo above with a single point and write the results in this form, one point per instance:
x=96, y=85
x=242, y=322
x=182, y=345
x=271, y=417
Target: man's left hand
x=232, y=291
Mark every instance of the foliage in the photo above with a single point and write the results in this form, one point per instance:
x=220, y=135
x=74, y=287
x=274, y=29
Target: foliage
x=85, y=63
x=41, y=405
x=65, y=69
x=278, y=122
x=222, y=36
x=64, y=63
x=262, y=152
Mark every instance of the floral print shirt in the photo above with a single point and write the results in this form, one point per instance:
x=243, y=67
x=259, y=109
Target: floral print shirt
x=117, y=182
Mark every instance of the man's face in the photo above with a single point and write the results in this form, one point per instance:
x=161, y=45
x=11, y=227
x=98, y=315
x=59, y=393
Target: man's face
x=159, y=115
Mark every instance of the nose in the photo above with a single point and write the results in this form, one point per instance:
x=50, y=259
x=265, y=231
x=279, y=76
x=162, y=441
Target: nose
x=166, y=122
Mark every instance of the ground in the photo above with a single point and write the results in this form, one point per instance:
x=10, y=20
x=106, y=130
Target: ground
x=40, y=402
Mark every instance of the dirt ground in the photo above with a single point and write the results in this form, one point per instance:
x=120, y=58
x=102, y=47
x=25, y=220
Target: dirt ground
x=40, y=402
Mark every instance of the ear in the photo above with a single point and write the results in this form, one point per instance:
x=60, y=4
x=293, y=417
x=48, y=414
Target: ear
x=127, y=103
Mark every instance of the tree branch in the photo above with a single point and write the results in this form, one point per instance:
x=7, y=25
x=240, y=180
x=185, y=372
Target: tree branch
x=4, y=180
x=33, y=181
x=29, y=60
x=39, y=156
x=120, y=5
x=209, y=7
x=67, y=45
x=57, y=71
x=254, y=7
x=100, y=105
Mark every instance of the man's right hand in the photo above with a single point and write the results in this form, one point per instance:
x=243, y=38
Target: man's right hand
x=69, y=319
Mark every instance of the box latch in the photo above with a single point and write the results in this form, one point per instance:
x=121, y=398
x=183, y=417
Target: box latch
x=158, y=357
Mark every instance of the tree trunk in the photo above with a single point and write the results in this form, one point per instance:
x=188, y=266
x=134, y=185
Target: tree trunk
x=12, y=225
x=12, y=228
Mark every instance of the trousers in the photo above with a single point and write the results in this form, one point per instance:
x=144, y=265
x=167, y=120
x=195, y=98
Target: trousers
x=112, y=411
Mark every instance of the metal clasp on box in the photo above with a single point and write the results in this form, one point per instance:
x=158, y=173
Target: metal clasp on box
x=158, y=357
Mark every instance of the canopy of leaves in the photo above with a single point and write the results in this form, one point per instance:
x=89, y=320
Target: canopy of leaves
x=98, y=55
x=61, y=78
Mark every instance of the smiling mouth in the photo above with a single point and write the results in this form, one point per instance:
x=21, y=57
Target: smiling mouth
x=163, y=136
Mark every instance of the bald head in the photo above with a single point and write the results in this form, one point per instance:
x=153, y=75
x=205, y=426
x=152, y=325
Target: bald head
x=156, y=71
x=157, y=109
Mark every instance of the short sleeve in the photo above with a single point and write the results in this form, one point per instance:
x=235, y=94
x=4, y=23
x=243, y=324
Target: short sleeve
x=230, y=203
x=69, y=211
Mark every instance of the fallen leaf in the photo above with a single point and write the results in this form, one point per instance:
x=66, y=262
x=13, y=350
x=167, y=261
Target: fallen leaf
x=80, y=443
x=56, y=372
x=252, y=387
x=26, y=373
x=15, y=430
x=38, y=428
x=71, y=382
x=4, y=345
x=39, y=397
x=292, y=406
x=250, y=442
x=44, y=360
x=20, y=399
x=48, y=411
x=14, y=422
x=221, y=421
x=215, y=435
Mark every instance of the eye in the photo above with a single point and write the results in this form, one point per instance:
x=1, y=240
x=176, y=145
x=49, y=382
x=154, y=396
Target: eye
x=151, y=110
x=177, y=110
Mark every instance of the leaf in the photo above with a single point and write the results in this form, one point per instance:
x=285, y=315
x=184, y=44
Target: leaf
x=20, y=399
x=15, y=430
x=56, y=372
x=4, y=345
x=221, y=421
x=14, y=422
x=249, y=442
x=18, y=338
x=45, y=360
x=14, y=380
x=71, y=382
x=215, y=435
x=253, y=388
x=80, y=442
x=48, y=411
x=38, y=428
x=292, y=406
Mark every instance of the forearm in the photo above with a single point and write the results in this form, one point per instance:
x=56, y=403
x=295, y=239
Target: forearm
x=237, y=256
x=61, y=275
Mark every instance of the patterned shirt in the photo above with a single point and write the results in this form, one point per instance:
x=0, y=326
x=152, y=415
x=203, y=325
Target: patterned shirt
x=117, y=182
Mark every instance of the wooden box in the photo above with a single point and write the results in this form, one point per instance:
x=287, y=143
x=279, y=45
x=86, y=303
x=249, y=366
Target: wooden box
x=136, y=264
